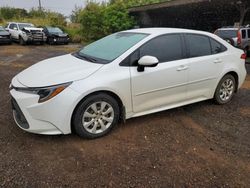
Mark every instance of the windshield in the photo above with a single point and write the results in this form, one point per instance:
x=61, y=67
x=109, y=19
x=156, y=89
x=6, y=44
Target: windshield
x=21, y=26
x=227, y=33
x=54, y=30
x=1, y=28
x=112, y=46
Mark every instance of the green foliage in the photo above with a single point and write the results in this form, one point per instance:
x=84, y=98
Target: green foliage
x=10, y=13
x=91, y=19
x=98, y=20
x=35, y=16
x=132, y=3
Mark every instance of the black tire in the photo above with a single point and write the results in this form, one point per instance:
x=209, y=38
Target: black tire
x=21, y=41
x=50, y=41
x=84, y=106
x=217, y=96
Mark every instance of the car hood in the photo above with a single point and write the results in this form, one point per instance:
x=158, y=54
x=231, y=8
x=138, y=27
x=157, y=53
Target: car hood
x=59, y=34
x=33, y=29
x=57, y=70
x=4, y=33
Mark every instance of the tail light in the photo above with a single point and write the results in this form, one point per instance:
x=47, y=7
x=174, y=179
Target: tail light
x=239, y=37
x=244, y=56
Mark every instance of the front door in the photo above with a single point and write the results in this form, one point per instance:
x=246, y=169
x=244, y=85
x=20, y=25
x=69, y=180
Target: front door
x=158, y=87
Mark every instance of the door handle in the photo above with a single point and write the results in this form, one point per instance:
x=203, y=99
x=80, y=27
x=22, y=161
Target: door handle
x=218, y=61
x=182, y=68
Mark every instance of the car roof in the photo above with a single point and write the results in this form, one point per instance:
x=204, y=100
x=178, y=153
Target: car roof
x=229, y=28
x=20, y=23
x=232, y=28
x=160, y=31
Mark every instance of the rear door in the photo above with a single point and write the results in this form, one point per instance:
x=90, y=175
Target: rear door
x=205, y=62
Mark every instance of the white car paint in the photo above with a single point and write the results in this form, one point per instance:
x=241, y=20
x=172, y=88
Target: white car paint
x=165, y=86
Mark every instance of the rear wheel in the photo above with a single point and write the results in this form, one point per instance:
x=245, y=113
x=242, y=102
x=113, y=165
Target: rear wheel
x=96, y=116
x=225, y=90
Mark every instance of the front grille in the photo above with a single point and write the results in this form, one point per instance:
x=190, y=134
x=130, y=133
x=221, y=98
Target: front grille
x=37, y=35
x=18, y=115
x=62, y=39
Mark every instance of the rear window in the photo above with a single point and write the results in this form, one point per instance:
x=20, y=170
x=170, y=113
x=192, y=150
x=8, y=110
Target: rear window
x=198, y=45
x=248, y=33
x=227, y=33
x=217, y=47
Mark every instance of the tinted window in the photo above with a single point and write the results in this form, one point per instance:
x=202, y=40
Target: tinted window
x=248, y=33
x=198, y=45
x=226, y=33
x=217, y=47
x=244, y=33
x=11, y=26
x=165, y=48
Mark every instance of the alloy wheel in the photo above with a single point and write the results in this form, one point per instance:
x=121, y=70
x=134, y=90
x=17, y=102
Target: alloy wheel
x=98, y=117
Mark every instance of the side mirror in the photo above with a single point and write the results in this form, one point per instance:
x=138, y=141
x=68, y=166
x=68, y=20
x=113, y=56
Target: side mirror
x=147, y=61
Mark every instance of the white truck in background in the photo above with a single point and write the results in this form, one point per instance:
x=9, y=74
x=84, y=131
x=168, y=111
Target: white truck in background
x=26, y=33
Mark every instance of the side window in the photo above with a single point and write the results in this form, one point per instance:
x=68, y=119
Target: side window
x=131, y=60
x=248, y=33
x=243, y=33
x=198, y=45
x=217, y=47
x=11, y=26
x=14, y=26
x=165, y=48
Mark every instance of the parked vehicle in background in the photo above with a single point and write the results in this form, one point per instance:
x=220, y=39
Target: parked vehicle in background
x=55, y=35
x=125, y=75
x=4, y=36
x=237, y=37
x=26, y=33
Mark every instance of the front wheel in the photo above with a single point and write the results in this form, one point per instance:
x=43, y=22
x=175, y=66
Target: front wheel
x=21, y=41
x=96, y=116
x=225, y=90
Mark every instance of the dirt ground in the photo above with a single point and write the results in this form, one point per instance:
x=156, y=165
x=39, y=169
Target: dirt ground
x=199, y=145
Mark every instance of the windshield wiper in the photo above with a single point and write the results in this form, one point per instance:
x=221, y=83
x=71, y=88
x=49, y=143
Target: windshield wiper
x=86, y=57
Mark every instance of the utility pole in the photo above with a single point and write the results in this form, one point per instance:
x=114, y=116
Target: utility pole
x=40, y=5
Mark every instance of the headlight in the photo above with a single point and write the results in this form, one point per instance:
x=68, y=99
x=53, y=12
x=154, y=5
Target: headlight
x=45, y=93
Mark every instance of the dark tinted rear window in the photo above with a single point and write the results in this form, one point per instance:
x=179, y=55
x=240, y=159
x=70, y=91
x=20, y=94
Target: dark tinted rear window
x=198, y=45
x=248, y=33
x=226, y=33
x=217, y=47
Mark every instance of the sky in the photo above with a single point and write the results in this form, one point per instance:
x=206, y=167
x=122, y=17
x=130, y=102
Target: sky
x=63, y=6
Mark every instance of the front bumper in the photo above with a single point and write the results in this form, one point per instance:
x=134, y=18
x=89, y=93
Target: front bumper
x=49, y=118
x=35, y=38
x=61, y=40
x=5, y=40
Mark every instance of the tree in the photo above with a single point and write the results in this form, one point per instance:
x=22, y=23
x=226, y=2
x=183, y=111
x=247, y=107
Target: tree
x=100, y=19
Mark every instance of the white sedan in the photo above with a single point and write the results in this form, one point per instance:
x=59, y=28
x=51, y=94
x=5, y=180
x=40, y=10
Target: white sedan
x=125, y=75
